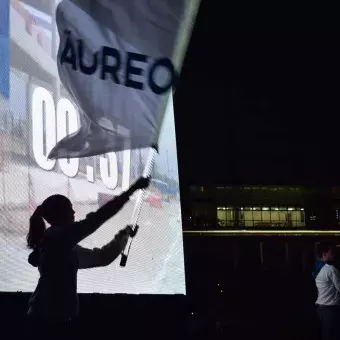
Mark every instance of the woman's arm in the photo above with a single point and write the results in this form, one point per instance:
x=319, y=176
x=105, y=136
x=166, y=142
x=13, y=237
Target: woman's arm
x=101, y=257
x=78, y=231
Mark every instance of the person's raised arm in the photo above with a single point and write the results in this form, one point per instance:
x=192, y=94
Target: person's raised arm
x=80, y=230
x=101, y=257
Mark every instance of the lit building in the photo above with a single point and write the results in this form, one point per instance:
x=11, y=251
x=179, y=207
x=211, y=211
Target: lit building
x=262, y=207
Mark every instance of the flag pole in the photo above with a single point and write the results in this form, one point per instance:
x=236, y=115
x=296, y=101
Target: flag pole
x=178, y=56
x=138, y=207
x=141, y=193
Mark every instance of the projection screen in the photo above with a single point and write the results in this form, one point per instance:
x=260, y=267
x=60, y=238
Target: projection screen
x=28, y=73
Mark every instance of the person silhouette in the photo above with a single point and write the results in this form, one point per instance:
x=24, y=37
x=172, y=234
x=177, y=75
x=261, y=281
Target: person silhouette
x=57, y=255
x=327, y=281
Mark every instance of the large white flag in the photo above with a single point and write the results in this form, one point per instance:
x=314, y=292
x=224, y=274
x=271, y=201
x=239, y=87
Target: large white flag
x=118, y=59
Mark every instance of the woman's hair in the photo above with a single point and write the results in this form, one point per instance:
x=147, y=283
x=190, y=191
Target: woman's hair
x=37, y=229
x=52, y=211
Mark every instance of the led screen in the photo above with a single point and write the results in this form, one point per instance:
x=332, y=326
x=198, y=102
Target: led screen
x=36, y=112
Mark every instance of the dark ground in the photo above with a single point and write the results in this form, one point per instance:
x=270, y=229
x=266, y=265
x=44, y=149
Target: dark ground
x=228, y=296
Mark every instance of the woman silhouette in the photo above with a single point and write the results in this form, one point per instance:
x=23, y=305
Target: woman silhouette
x=58, y=256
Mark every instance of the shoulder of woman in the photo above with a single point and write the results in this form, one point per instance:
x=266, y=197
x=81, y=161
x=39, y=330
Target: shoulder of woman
x=52, y=234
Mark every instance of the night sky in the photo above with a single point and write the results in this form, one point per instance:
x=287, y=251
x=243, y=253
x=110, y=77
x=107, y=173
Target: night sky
x=258, y=101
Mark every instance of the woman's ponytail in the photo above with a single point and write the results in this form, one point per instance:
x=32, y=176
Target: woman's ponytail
x=37, y=229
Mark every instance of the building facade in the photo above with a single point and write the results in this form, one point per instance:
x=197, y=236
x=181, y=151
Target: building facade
x=262, y=207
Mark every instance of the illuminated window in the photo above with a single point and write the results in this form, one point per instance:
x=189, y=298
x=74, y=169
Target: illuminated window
x=223, y=188
x=287, y=217
x=226, y=217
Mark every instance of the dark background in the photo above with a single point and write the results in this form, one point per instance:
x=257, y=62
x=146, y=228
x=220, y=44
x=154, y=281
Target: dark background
x=258, y=99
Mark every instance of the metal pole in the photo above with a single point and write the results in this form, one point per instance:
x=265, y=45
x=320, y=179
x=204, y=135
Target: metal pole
x=287, y=252
x=261, y=253
x=167, y=162
x=29, y=141
x=138, y=207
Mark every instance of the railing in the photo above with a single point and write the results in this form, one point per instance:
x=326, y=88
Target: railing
x=258, y=249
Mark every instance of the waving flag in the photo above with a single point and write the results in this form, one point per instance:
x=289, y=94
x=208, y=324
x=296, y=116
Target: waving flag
x=119, y=59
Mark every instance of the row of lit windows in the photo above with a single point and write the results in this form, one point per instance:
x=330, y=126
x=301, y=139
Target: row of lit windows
x=261, y=216
x=257, y=188
x=263, y=208
x=252, y=188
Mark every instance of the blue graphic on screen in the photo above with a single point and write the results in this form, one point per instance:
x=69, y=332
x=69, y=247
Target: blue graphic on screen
x=4, y=47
